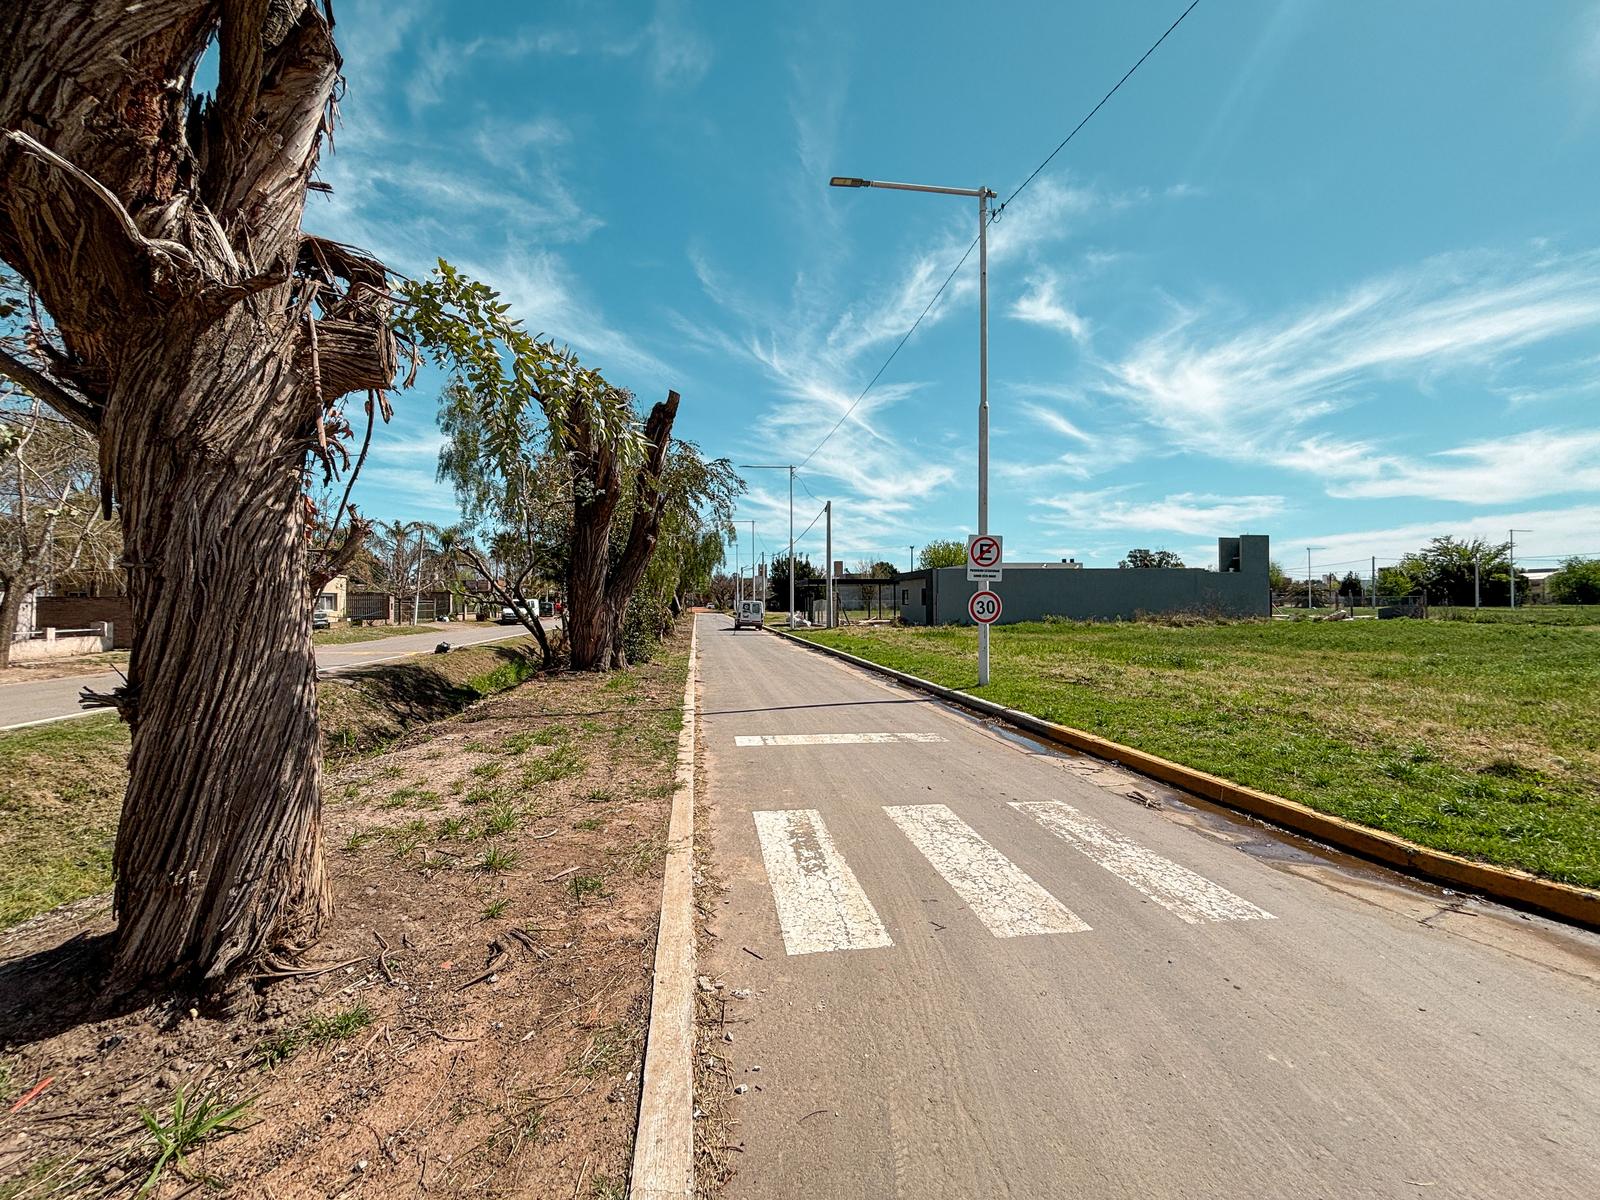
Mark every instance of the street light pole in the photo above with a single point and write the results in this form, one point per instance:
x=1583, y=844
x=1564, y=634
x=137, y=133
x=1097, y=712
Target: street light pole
x=1309, y=549
x=983, y=195
x=1511, y=561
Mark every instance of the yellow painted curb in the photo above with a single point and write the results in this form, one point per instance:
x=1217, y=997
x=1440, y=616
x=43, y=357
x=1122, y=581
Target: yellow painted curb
x=1563, y=900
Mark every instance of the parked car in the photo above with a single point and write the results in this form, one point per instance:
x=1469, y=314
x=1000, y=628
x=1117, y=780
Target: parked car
x=319, y=619
x=509, y=615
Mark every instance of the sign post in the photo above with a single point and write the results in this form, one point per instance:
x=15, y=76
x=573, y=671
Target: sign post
x=985, y=560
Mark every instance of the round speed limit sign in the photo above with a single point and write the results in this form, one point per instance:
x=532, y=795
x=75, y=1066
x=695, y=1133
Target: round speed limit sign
x=984, y=608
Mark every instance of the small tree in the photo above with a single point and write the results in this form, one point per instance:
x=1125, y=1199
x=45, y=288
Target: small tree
x=1577, y=582
x=942, y=552
x=520, y=413
x=1150, y=558
x=1351, y=587
x=50, y=520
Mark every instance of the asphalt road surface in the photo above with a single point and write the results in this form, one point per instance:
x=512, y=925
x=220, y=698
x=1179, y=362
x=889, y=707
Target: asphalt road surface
x=35, y=702
x=987, y=969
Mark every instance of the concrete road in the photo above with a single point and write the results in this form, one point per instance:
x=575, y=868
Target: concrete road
x=987, y=970
x=36, y=702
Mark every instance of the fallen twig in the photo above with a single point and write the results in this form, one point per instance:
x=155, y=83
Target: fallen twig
x=752, y=953
x=562, y=874
x=283, y=972
x=38, y=1087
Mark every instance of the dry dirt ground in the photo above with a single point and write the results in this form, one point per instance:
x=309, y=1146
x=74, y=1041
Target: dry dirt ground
x=476, y=1021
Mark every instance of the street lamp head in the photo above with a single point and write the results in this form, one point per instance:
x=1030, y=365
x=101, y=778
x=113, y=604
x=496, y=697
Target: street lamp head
x=846, y=181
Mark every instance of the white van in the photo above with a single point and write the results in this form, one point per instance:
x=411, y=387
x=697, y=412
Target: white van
x=749, y=614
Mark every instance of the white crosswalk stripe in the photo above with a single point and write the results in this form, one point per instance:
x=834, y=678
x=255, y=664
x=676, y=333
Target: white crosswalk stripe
x=1001, y=895
x=820, y=904
x=1192, y=897
x=831, y=739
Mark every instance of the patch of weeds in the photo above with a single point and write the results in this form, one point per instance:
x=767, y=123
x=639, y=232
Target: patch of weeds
x=279, y=1048
x=7, y=1086
x=186, y=1126
x=597, y=795
x=606, y=1054
x=502, y=818
x=495, y=909
x=496, y=859
x=457, y=786
x=586, y=885
x=450, y=828
x=352, y=791
x=356, y=841
x=521, y=743
x=477, y=747
x=590, y=824
x=644, y=857
x=489, y=770
x=1505, y=767
x=323, y=1029
x=479, y=795
x=606, y=1188
x=562, y=762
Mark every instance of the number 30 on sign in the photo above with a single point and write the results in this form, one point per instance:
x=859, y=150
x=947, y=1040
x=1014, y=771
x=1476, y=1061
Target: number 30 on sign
x=984, y=608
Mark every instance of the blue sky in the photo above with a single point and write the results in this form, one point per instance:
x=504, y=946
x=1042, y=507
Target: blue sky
x=1325, y=271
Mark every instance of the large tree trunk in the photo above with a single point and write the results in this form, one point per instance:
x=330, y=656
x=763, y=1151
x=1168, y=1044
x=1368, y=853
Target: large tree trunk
x=598, y=590
x=10, y=610
x=218, y=853
x=206, y=342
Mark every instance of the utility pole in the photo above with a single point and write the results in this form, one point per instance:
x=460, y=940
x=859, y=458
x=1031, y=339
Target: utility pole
x=828, y=508
x=1511, y=561
x=1309, y=596
x=1374, y=585
x=791, y=468
x=983, y=196
x=1477, y=595
x=911, y=557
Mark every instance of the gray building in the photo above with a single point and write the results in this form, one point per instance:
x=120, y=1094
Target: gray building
x=1239, y=587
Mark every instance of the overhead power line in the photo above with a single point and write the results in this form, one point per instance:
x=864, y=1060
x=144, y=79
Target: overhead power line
x=1062, y=145
x=897, y=348
x=854, y=404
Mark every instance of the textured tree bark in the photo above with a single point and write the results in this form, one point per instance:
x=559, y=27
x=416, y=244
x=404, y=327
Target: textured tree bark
x=598, y=590
x=218, y=852
x=10, y=610
x=206, y=342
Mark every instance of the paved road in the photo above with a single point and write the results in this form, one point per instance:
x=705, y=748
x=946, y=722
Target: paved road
x=986, y=971
x=35, y=702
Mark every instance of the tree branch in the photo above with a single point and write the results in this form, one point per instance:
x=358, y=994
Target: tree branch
x=84, y=229
x=76, y=409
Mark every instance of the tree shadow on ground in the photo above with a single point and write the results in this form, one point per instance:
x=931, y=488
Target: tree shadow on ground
x=54, y=989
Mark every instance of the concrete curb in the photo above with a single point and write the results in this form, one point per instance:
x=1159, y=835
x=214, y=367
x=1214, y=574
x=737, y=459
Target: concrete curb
x=663, y=1147
x=1563, y=900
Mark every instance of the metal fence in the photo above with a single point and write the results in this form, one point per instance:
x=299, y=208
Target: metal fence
x=1325, y=604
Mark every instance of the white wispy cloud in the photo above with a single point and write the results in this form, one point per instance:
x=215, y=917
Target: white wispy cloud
x=678, y=55
x=1042, y=304
x=1261, y=393
x=1538, y=462
x=1549, y=531
x=1180, y=513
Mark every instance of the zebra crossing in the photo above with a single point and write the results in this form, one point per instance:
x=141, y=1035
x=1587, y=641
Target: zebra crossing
x=822, y=906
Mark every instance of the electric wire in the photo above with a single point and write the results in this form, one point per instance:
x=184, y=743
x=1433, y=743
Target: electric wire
x=1063, y=144
x=893, y=354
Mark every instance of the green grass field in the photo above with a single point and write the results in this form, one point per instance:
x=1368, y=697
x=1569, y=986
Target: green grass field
x=1474, y=737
